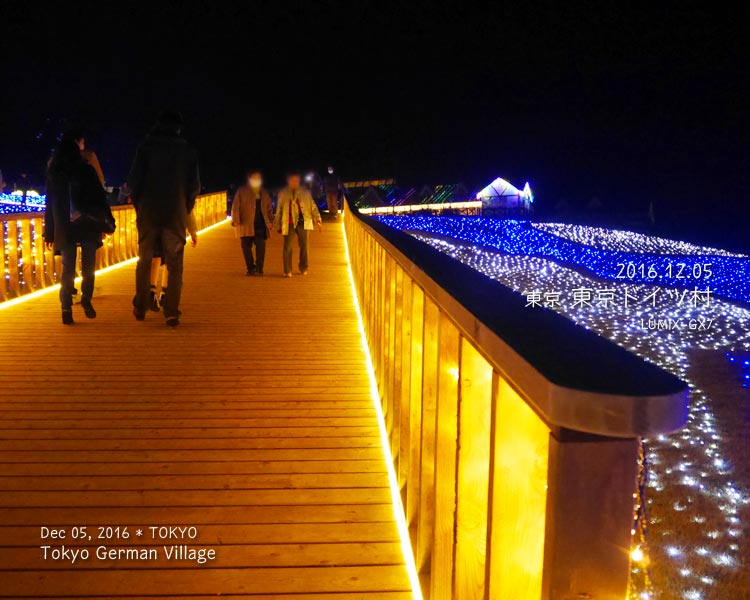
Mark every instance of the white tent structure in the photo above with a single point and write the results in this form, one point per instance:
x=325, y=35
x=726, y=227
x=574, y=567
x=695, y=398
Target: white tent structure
x=502, y=194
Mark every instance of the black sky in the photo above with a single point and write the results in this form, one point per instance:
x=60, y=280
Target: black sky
x=580, y=98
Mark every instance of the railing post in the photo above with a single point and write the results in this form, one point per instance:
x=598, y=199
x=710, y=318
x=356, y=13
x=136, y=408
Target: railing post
x=397, y=318
x=38, y=252
x=404, y=453
x=12, y=253
x=518, y=496
x=589, y=516
x=430, y=360
x=27, y=272
x=415, y=411
x=446, y=460
x=473, y=473
x=3, y=251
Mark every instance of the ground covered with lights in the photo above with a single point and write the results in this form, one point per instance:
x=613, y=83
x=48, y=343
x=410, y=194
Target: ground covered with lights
x=18, y=203
x=681, y=306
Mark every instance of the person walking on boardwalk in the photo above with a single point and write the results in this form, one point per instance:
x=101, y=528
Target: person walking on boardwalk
x=159, y=275
x=296, y=215
x=164, y=182
x=334, y=189
x=252, y=216
x=76, y=214
x=89, y=156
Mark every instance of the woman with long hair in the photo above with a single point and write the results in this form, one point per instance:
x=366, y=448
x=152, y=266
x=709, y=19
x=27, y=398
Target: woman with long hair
x=76, y=215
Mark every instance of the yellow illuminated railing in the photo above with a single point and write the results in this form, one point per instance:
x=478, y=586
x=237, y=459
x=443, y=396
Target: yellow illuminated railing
x=469, y=207
x=27, y=265
x=503, y=497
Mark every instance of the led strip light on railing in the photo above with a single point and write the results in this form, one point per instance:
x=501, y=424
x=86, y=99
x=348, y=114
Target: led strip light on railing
x=398, y=509
x=52, y=288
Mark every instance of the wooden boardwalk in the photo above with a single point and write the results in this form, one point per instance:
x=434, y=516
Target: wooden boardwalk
x=251, y=422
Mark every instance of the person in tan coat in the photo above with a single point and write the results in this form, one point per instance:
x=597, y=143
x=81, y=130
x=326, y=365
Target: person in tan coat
x=296, y=215
x=252, y=216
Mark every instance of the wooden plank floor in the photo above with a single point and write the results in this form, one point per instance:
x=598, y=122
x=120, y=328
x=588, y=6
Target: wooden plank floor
x=252, y=422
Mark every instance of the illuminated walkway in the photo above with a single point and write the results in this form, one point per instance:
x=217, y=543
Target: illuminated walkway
x=252, y=421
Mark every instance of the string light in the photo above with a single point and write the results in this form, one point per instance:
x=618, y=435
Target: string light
x=6, y=258
x=636, y=555
x=28, y=269
x=726, y=275
x=641, y=583
x=34, y=277
x=625, y=241
x=689, y=478
x=16, y=202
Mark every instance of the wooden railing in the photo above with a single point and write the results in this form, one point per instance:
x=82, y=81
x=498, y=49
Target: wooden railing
x=513, y=432
x=28, y=265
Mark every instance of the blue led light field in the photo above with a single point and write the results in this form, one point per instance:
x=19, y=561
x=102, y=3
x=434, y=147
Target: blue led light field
x=664, y=263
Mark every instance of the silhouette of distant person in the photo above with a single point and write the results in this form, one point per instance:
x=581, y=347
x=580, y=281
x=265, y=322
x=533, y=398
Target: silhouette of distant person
x=334, y=190
x=164, y=182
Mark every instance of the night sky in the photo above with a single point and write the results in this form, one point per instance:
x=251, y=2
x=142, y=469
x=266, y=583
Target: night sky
x=582, y=100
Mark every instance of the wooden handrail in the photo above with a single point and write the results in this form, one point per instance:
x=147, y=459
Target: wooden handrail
x=28, y=266
x=516, y=467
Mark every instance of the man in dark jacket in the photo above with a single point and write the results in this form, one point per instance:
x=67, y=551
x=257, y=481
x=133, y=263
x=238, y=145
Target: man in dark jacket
x=164, y=182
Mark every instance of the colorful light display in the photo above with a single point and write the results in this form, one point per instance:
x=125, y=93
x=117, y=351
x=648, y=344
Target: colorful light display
x=502, y=192
x=696, y=535
x=726, y=276
x=24, y=202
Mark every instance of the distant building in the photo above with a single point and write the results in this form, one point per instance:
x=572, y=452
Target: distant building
x=504, y=196
x=498, y=196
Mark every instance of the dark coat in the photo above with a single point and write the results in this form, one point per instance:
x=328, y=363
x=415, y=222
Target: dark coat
x=164, y=182
x=332, y=184
x=76, y=183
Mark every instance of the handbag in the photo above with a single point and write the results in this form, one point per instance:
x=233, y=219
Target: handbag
x=103, y=221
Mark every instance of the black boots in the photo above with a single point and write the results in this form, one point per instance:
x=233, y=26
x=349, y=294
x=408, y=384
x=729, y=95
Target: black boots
x=88, y=308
